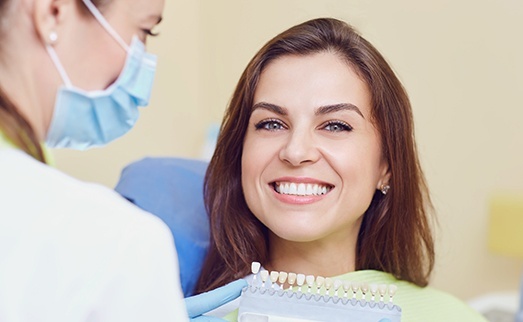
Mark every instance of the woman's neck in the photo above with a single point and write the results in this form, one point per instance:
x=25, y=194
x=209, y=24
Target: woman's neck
x=325, y=258
x=28, y=75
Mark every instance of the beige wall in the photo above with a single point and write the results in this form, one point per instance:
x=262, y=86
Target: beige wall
x=461, y=62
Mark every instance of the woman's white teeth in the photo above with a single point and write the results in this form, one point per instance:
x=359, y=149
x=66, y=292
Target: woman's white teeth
x=301, y=189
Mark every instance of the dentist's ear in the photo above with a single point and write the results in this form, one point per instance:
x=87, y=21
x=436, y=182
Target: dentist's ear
x=49, y=17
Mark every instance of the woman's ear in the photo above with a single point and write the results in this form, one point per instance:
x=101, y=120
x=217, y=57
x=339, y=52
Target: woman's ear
x=49, y=16
x=384, y=177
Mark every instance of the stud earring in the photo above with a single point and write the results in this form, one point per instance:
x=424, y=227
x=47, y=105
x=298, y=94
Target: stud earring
x=53, y=37
x=384, y=188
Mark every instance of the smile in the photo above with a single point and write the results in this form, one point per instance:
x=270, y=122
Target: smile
x=301, y=189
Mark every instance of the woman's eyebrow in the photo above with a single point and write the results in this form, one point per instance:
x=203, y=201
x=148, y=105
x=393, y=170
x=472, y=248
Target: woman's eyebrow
x=326, y=109
x=338, y=107
x=270, y=107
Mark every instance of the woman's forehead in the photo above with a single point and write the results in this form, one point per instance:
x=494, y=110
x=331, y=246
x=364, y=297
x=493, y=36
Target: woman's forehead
x=313, y=80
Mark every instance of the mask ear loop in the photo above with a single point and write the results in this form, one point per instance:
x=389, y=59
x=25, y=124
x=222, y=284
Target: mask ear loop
x=101, y=19
x=59, y=66
x=53, y=37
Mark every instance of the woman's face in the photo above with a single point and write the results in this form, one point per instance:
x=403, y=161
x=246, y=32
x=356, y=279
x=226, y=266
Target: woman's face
x=311, y=158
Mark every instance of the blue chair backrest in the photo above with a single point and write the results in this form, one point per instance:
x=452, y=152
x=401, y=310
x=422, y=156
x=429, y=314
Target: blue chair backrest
x=172, y=189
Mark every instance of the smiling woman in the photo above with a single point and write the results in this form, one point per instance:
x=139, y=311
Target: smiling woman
x=316, y=172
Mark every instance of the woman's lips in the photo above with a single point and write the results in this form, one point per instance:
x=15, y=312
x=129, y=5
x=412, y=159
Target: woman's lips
x=301, y=189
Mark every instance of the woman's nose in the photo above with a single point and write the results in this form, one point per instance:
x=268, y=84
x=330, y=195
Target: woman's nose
x=299, y=149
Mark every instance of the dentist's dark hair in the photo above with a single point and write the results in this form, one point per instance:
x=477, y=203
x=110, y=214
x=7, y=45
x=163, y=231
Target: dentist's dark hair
x=395, y=234
x=13, y=124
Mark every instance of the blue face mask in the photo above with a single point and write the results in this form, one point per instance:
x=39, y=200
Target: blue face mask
x=84, y=119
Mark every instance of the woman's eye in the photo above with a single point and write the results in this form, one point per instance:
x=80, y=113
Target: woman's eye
x=337, y=126
x=269, y=125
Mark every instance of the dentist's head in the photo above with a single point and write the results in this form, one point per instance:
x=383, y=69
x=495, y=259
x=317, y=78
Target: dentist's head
x=74, y=71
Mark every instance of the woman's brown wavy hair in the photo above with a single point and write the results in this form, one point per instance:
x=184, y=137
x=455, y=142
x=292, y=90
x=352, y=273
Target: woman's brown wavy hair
x=12, y=123
x=395, y=234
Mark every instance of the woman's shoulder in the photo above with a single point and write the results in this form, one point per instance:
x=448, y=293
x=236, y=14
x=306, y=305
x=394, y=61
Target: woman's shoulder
x=419, y=303
x=430, y=304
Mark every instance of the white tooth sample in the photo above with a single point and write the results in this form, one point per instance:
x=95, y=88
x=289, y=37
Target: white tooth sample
x=264, y=274
x=355, y=288
x=315, y=189
x=329, y=282
x=300, y=279
x=293, y=188
x=337, y=285
x=310, y=282
x=364, y=289
x=323, y=190
x=382, y=289
x=301, y=189
x=373, y=291
x=274, y=277
x=346, y=287
x=283, y=278
x=291, y=279
x=392, y=291
x=255, y=267
x=319, y=283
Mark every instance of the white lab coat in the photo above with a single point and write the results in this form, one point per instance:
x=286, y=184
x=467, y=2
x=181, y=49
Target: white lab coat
x=72, y=251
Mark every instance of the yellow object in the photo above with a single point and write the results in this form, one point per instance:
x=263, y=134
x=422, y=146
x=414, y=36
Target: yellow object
x=506, y=224
x=6, y=143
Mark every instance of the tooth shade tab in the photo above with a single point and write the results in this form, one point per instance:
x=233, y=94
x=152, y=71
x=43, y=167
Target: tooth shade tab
x=274, y=276
x=364, y=289
x=392, y=291
x=355, y=287
x=382, y=289
x=373, y=291
x=310, y=282
x=264, y=275
x=319, y=283
x=346, y=288
x=300, y=279
x=337, y=286
x=291, y=279
x=255, y=267
x=282, y=278
x=301, y=189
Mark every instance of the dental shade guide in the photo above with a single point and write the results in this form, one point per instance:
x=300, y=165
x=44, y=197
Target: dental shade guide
x=311, y=298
